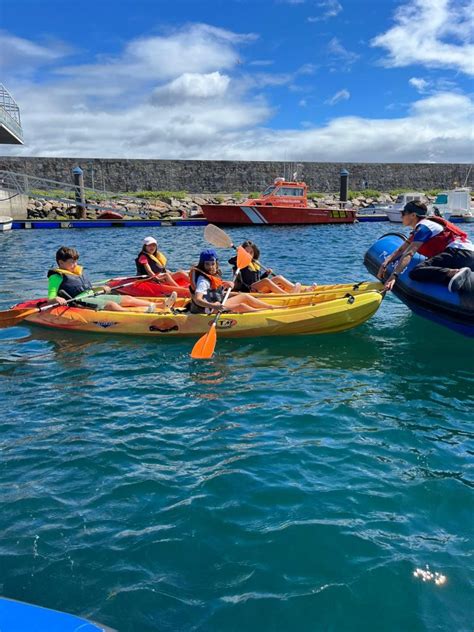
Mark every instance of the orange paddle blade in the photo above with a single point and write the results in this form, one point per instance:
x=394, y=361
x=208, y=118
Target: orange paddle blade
x=204, y=347
x=244, y=258
x=11, y=317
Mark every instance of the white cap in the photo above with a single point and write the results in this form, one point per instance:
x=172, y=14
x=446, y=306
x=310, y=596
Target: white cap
x=149, y=240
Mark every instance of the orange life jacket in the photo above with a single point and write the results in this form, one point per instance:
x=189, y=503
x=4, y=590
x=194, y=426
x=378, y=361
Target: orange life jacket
x=195, y=273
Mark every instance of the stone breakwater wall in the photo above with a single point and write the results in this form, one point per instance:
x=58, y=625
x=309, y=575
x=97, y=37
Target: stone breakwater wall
x=169, y=208
x=213, y=176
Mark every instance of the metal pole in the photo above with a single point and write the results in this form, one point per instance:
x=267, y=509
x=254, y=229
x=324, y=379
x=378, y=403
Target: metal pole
x=91, y=167
x=79, y=190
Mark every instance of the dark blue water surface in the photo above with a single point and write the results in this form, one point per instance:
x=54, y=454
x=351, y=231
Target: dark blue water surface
x=287, y=484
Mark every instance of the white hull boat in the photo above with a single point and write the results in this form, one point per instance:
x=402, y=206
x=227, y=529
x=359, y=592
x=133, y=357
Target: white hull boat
x=394, y=211
x=5, y=223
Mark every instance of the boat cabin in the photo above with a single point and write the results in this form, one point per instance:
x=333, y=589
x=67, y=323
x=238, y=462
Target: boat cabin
x=404, y=198
x=456, y=201
x=282, y=193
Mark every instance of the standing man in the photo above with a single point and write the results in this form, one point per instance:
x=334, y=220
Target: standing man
x=449, y=253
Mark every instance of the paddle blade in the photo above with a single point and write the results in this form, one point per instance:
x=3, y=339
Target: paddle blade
x=244, y=258
x=204, y=347
x=11, y=317
x=217, y=237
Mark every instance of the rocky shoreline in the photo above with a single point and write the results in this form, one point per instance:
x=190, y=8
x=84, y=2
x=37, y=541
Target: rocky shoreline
x=168, y=207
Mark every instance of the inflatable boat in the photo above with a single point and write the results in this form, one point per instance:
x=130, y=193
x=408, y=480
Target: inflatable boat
x=16, y=616
x=429, y=300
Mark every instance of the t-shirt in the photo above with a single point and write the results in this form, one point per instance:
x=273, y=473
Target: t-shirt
x=203, y=285
x=427, y=229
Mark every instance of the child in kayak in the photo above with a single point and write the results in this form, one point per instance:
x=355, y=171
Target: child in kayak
x=152, y=262
x=252, y=279
x=207, y=290
x=68, y=280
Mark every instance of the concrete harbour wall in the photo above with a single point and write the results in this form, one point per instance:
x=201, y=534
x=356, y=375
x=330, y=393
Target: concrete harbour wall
x=214, y=176
x=13, y=204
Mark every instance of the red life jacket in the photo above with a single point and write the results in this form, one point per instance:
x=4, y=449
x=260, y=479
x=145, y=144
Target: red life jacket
x=441, y=241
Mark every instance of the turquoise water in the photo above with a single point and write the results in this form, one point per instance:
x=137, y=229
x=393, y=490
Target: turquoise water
x=288, y=484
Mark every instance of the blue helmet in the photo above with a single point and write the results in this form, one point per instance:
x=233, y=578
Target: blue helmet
x=208, y=255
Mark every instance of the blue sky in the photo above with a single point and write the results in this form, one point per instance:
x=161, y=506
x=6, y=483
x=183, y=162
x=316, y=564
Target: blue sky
x=344, y=80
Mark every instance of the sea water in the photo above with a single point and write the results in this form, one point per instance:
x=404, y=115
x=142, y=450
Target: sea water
x=287, y=484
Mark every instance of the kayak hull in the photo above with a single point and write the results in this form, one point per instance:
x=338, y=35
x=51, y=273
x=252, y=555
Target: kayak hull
x=429, y=300
x=316, y=317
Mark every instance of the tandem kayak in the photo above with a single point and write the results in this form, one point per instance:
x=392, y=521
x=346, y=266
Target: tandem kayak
x=148, y=288
x=429, y=300
x=16, y=616
x=326, y=315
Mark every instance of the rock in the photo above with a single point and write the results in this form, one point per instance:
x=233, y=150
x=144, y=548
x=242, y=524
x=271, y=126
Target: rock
x=200, y=201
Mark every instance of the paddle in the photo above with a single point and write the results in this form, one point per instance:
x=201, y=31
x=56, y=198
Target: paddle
x=220, y=239
x=11, y=317
x=204, y=347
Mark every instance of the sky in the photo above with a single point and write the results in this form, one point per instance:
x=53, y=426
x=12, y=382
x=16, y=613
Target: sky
x=293, y=80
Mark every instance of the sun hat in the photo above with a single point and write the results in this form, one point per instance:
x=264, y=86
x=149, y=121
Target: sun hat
x=149, y=240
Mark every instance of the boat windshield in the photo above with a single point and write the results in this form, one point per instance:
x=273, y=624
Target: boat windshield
x=441, y=198
x=268, y=191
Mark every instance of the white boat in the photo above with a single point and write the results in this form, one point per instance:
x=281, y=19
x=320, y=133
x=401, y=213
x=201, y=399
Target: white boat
x=5, y=222
x=394, y=211
x=454, y=205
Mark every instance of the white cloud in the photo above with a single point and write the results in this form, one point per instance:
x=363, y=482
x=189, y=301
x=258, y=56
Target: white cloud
x=213, y=113
x=421, y=33
x=329, y=9
x=21, y=56
x=342, y=95
x=196, y=48
x=189, y=85
x=307, y=69
x=419, y=84
x=261, y=62
x=337, y=51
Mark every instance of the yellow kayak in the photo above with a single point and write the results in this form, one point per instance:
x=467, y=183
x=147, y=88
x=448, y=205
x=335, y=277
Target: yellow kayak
x=313, y=317
x=320, y=295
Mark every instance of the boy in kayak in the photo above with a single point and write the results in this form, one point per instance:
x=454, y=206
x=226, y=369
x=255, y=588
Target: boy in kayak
x=152, y=262
x=68, y=280
x=449, y=253
x=207, y=290
x=252, y=279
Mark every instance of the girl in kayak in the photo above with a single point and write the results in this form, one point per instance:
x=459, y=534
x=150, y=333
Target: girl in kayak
x=68, y=280
x=152, y=262
x=207, y=290
x=252, y=279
